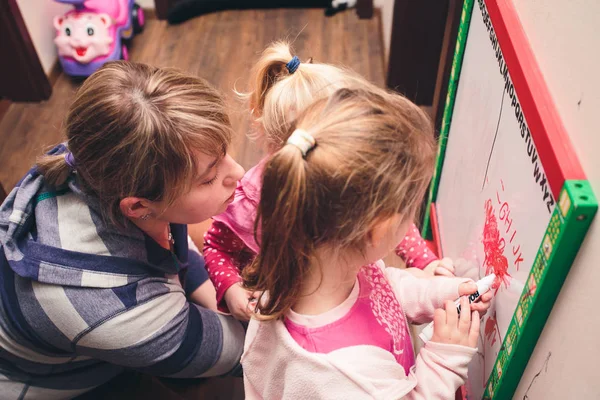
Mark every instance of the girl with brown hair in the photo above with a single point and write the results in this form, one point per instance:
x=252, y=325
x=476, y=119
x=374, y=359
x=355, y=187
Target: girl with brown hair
x=332, y=321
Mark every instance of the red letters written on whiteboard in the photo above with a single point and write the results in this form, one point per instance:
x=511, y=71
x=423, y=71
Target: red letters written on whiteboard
x=494, y=244
x=504, y=215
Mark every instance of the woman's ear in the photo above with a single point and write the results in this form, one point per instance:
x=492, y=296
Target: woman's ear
x=135, y=207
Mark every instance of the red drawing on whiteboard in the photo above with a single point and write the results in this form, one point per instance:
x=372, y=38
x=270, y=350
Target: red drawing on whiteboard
x=493, y=247
x=490, y=329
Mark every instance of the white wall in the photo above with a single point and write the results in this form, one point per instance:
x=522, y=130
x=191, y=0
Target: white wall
x=387, y=12
x=564, y=37
x=145, y=3
x=38, y=16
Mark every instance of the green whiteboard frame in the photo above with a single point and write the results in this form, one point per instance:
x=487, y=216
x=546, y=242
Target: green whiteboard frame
x=569, y=222
x=461, y=42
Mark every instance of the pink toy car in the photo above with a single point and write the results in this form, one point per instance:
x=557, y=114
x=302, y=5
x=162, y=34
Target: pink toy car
x=93, y=33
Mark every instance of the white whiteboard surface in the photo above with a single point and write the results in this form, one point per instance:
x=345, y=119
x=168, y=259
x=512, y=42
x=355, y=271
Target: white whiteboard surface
x=564, y=363
x=489, y=161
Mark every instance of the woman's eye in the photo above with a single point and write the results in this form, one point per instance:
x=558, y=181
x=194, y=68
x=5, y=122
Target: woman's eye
x=213, y=180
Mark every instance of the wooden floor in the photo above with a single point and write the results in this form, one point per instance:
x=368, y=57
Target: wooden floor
x=220, y=47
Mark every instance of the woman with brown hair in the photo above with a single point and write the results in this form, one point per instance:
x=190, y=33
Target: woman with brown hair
x=94, y=241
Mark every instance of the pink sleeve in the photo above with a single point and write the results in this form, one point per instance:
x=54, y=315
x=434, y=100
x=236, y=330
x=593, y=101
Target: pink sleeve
x=421, y=296
x=414, y=250
x=225, y=255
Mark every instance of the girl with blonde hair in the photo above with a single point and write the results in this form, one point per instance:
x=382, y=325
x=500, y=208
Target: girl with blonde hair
x=281, y=88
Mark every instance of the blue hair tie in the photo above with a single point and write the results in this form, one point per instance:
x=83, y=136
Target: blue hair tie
x=70, y=160
x=293, y=65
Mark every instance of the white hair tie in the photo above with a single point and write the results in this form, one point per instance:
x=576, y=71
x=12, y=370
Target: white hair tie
x=302, y=140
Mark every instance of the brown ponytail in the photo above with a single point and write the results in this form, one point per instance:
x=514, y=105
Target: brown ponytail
x=54, y=168
x=373, y=159
x=282, y=223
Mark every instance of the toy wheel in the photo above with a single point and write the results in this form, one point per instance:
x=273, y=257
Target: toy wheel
x=138, y=19
x=124, y=53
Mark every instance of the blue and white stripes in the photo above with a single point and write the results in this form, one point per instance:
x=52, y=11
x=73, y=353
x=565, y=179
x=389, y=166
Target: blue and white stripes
x=80, y=300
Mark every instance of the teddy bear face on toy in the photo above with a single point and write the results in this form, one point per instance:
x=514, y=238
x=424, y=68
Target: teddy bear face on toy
x=83, y=36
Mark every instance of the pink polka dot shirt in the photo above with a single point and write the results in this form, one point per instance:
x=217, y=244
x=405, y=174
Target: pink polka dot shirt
x=229, y=244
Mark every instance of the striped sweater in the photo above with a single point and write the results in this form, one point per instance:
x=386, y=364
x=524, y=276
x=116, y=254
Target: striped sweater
x=81, y=301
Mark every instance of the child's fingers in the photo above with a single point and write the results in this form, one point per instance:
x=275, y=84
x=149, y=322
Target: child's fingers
x=252, y=304
x=467, y=288
x=439, y=318
x=484, y=304
x=464, y=322
x=243, y=317
x=241, y=313
x=249, y=309
x=487, y=296
x=474, y=331
x=252, y=296
x=441, y=271
x=480, y=306
x=451, y=314
x=448, y=264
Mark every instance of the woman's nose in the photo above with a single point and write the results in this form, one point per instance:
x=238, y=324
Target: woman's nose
x=234, y=171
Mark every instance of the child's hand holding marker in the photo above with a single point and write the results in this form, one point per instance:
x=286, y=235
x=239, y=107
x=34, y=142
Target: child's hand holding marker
x=481, y=304
x=476, y=294
x=451, y=328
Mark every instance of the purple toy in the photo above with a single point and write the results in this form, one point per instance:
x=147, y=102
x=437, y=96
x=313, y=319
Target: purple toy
x=93, y=33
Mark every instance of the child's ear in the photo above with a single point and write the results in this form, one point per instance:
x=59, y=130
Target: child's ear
x=383, y=229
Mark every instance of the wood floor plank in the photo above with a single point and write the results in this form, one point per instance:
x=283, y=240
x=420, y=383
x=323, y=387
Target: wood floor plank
x=221, y=47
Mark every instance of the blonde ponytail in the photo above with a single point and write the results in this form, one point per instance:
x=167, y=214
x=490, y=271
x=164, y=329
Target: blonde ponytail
x=267, y=71
x=278, y=96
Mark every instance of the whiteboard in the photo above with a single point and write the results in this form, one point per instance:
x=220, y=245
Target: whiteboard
x=492, y=183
